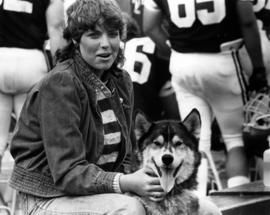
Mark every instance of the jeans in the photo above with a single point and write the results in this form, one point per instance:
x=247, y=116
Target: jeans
x=100, y=204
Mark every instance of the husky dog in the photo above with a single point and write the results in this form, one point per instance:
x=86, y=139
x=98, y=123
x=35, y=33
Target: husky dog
x=170, y=148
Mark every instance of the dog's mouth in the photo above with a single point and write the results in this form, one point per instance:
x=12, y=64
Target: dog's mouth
x=167, y=175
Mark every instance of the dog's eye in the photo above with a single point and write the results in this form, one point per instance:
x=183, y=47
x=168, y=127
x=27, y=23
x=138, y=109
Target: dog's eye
x=178, y=143
x=157, y=143
x=177, y=140
x=159, y=140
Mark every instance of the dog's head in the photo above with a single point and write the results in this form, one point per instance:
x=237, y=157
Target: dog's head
x=170, y=148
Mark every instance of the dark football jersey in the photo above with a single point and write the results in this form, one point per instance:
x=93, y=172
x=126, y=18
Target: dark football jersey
x=23, y=23
x=148, y=73
x=200, y=26
x=262, y=11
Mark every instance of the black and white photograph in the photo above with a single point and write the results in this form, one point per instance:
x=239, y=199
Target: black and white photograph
x=134, y=107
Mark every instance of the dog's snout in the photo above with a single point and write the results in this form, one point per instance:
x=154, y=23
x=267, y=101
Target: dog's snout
x=167, y=159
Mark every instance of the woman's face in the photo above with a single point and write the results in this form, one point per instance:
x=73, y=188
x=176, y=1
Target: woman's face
x=99, y=48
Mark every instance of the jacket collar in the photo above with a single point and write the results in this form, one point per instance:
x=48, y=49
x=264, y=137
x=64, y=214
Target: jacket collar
x=87, y=74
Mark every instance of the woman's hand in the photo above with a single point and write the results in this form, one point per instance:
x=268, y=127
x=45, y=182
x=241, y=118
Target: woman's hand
x=143, y=183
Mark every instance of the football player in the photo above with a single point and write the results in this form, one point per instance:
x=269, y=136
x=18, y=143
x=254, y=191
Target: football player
x=262, y=12
x=24, y=27
x=149, y=72
x=204, y=38
x=257, y=142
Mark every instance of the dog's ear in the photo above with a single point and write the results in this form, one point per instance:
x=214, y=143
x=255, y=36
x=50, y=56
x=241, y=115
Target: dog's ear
x=142, y=124
x=193, y=123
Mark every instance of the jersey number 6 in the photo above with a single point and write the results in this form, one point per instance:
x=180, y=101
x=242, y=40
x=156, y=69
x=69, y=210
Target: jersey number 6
x=185, y=12
x=134, y=56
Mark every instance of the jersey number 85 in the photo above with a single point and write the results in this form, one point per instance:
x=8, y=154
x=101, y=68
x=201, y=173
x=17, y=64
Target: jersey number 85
x=185, y=12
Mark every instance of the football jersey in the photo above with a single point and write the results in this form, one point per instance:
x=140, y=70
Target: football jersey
x=199, y=26
x=23, y=23
x=148, y=74
x=262, y=11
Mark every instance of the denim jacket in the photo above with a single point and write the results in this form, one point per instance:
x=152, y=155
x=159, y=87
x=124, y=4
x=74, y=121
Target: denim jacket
x=59, y=136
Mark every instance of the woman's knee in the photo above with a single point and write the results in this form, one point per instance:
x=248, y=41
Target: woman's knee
x=131, y=206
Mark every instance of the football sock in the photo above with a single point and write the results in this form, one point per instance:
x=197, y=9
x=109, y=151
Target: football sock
x=233, y=140
x=202, y=178
x=205, y=144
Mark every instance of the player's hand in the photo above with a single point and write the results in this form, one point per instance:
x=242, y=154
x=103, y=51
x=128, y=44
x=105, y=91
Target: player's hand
x=143, y=183
x=258, y=80
x=267, y=31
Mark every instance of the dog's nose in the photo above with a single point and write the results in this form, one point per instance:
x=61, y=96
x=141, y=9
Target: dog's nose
x=167, y=159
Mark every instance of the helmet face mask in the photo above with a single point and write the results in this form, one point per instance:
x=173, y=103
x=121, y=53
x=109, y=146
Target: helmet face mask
x=257, y=115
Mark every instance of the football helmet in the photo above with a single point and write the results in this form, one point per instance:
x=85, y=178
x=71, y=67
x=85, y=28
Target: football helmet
x=257, y=115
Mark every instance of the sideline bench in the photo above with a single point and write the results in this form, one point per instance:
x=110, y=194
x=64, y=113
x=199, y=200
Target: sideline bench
x=248, y=199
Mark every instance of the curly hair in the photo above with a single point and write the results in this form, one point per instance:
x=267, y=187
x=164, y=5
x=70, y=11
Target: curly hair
x=84, y=15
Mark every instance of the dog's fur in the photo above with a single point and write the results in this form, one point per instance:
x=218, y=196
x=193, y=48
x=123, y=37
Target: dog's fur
x=170, y=148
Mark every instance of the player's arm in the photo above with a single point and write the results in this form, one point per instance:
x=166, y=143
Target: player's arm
x=252, y=41
x=152, y=19
x=55, y=24
x=264, y=16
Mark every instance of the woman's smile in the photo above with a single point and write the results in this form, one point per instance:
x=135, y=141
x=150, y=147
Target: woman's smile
x=104, y=56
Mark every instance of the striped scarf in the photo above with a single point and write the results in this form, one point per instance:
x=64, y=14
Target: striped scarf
x=112, y=133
